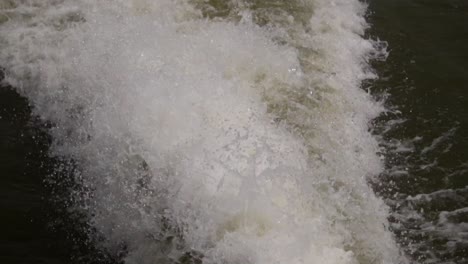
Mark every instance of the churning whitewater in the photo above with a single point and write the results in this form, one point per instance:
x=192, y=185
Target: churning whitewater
x=229, y=131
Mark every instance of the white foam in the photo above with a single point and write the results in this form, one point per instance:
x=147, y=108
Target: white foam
x=257, y=152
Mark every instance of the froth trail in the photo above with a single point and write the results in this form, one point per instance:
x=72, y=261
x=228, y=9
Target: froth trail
x=214, y=131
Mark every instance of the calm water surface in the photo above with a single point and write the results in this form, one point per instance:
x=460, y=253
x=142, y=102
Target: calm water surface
x=426, y=77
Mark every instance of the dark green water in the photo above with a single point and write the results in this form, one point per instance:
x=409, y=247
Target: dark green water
x=35, y=225
x=426, y=79
x=23, y=222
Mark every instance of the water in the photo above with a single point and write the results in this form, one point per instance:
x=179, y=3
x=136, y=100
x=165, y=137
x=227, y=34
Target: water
x=426, y=77
x=239, y=132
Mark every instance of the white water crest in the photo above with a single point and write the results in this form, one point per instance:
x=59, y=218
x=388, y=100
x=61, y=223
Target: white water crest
x=235, y=131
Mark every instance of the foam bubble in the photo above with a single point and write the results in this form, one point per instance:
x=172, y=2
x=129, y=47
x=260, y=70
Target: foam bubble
x=240, y=138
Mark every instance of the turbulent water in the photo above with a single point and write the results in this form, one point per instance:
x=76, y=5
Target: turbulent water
x=210, y=131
